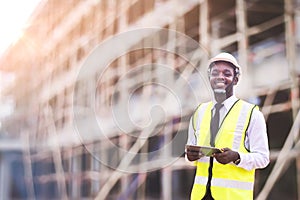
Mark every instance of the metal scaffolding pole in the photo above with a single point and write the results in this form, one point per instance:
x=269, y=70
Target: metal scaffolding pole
x=76, y=28
x=291, y=46
x=283, y=159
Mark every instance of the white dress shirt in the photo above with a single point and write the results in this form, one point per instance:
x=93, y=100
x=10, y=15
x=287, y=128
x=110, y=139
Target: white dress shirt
x=256, y=140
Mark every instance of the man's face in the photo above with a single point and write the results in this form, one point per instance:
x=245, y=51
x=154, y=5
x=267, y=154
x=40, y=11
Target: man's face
x=222, y=76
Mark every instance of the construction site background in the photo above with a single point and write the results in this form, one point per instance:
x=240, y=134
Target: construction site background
x=96, y=95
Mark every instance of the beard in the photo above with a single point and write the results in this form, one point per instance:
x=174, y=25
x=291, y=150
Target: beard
x=222, y=94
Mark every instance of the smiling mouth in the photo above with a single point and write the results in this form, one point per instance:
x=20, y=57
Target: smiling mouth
x=220, y=84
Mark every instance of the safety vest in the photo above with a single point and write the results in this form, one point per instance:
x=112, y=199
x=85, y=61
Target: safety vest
x=228, y=181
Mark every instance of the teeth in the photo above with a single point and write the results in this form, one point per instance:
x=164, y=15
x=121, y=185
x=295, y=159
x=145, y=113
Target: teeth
x=220, y=84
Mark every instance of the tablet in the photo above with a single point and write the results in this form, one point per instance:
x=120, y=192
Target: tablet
x=207, y=151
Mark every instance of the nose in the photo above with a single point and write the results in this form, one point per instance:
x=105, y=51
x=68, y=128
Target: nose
x=220, y=76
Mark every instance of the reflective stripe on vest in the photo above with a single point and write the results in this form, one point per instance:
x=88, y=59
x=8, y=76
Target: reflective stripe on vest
x=229, y=181
x=219, y=182
x=203, y=109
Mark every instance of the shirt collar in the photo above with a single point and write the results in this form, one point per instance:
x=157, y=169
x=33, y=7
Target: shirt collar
x=228, y=103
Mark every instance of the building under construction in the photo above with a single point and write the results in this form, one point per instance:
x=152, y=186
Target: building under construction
x=103, y=92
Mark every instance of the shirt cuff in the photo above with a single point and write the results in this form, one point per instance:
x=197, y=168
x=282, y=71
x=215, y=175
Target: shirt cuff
x=243, y=162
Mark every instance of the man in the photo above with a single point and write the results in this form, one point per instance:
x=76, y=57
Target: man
x=234, y=126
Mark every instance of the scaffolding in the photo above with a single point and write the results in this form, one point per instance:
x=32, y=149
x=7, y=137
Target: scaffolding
x=104, y=91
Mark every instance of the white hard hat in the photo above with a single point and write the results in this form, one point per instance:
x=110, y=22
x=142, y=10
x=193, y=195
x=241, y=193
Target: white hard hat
x=227, y=57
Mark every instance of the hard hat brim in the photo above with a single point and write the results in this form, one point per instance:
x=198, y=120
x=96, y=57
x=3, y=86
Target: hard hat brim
x=213, y=60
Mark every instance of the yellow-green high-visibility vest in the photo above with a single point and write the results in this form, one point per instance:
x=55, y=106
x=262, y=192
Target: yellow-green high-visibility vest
x=228, y=181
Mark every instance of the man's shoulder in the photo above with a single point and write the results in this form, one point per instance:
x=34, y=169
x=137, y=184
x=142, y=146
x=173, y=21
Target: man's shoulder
x=207, y=103
x=201, y=106
x=248, y=103
x=254, y=108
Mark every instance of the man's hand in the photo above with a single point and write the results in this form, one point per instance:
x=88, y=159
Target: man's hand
x=193, y=153
x=226, y=156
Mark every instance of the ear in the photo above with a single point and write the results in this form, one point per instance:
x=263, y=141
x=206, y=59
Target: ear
x=235, y=80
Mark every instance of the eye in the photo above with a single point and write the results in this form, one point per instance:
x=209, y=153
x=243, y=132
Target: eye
x=214, y=73
x=228, y=74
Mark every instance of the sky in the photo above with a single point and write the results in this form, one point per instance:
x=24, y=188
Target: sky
x=14, y=15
